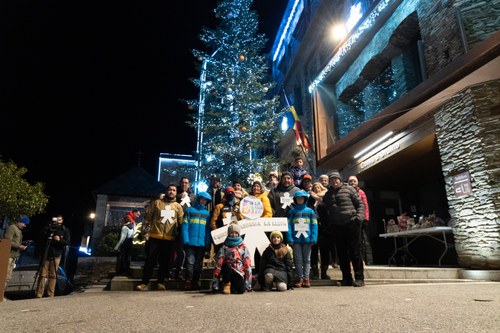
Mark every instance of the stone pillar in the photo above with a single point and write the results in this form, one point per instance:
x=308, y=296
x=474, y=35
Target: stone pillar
x=468, y=132
x=99, y=221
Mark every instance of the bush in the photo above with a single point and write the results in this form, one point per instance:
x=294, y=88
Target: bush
x=111, y=235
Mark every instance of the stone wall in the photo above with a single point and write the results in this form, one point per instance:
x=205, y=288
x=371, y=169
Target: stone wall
x=441, y=32
x=467, y=132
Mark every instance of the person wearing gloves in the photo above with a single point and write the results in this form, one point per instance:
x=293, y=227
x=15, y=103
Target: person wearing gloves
x=276, y=265
x=233, y=264
x=302, y=234
x=195, y=230
x=124, y=247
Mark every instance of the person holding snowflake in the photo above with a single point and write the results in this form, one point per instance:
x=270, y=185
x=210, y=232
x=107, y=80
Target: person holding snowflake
x=302, y=235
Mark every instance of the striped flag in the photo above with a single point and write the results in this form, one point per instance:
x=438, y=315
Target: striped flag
x=300, y=136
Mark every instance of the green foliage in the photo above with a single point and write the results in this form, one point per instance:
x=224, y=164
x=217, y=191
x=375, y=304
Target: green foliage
x=17, y=195
x=239, y=118
x=111, y=235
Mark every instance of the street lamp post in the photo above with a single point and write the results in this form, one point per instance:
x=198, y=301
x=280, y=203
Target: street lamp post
x=201, y=111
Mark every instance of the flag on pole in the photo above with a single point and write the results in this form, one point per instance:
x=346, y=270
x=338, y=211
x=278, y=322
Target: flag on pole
x=300, y=136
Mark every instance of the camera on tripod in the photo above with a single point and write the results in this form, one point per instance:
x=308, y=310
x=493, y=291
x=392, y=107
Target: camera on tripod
x=53, y=228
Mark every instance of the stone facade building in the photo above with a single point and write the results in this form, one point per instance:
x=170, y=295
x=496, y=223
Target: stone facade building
x=408, y=100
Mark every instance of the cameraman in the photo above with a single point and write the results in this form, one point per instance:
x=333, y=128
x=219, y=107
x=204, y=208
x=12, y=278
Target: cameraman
x=56, y=238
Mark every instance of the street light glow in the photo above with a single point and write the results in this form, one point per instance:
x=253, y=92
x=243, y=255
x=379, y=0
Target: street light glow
x=338, y=32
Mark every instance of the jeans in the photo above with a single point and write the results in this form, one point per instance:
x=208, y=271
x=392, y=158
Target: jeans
x=194, y=262
x=302, y=259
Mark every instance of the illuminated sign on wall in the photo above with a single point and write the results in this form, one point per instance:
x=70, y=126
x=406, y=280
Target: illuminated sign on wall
x=381, y=155
x=461, y=184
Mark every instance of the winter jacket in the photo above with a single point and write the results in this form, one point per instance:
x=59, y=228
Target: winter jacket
x=217, y=195
x=263, y=197
x=362, y=196
x=301, y=214
x=15, y=235
x=166, y=226
x=280, y=267
x=195, y=227
x=275, y=196
x=343, y=205
x=297, y=174
x=56, y=248
x=127, y=233
x=237, y=255
x=220, y=213
x=187, y=201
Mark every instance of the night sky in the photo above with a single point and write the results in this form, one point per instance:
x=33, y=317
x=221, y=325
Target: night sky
x=86, y=86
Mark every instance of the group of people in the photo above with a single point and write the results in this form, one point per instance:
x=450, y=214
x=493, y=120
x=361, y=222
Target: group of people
x=54, y=238
x=326, y=216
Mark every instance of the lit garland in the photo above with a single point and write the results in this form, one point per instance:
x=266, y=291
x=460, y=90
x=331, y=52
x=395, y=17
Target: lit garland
x=370, y=20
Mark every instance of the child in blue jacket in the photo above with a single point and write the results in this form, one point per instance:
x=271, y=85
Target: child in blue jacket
x=196, y=238
x=302, y=235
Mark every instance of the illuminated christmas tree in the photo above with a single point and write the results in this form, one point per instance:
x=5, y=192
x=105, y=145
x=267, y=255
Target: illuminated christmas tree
x=237, y=118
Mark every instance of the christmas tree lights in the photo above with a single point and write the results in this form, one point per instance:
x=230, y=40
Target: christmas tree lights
x=237, y=118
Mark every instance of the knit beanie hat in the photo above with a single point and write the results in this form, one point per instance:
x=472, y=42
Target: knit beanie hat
x=334, y=174
x=353, y=177
x=274, y=233
x=228, y=189
x=25, y=220
x=286, y=173
x=233, y=227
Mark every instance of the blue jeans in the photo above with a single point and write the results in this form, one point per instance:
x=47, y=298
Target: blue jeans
x=302, y=259
x=194, y=262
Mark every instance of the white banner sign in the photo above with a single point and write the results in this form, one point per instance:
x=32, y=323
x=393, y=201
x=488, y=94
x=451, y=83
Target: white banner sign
x=254, y=231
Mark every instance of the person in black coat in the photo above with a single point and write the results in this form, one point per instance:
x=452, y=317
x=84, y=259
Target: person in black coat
x=276, y=265
x=345, y=217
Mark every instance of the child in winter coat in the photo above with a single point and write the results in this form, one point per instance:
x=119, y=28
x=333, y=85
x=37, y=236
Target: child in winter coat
x=195, y=230
x=276, y=265
x=302, y=234
x=233, y=264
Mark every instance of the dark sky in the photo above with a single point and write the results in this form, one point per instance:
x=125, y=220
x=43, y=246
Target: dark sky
x=85, y=86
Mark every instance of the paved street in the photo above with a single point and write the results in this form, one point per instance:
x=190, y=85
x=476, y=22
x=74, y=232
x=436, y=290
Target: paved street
x=424, y=307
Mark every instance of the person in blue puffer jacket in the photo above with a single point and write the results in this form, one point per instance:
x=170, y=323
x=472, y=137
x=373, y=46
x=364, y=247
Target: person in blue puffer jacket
x=302, y=235
x=196, y=238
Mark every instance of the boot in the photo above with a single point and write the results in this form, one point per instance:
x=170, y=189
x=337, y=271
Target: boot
x=187, y=285
x=324, y=275
x=314, y=273
x=298, y=284
x=306, y=284
x=227, y=288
